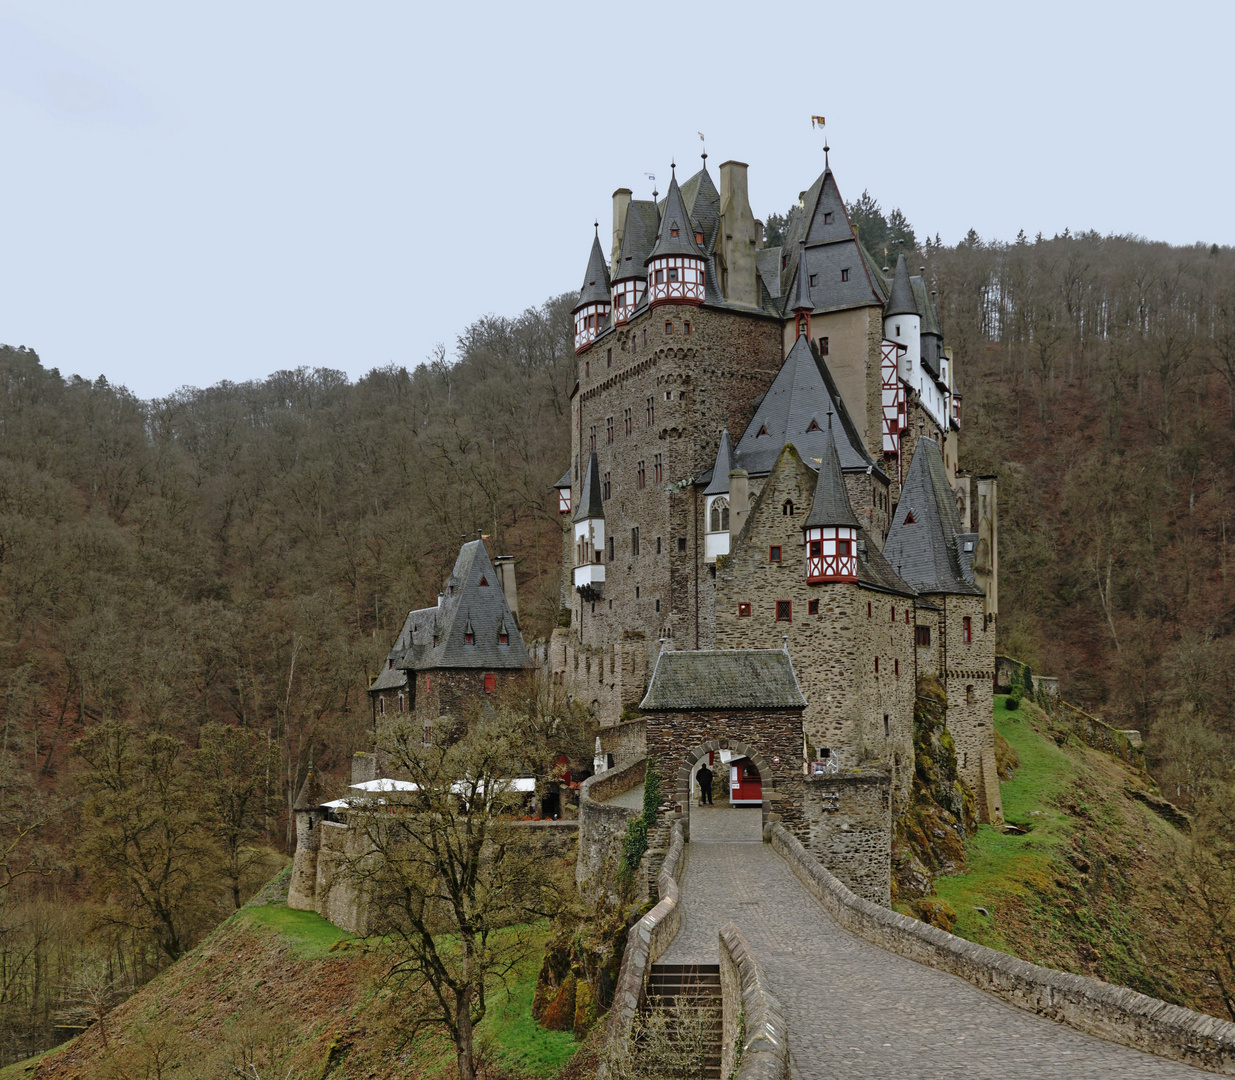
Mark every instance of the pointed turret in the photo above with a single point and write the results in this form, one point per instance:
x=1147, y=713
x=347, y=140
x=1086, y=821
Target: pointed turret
x=677, y=264
x=901, y=300
x=831, y=527
x=630, y=274
x=800, y=302
x=589, y=526
x=592, y=311
x=310, y=796
x=716, y=508
x=903, y=325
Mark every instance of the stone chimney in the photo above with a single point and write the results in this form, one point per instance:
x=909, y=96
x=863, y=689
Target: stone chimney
x=505, y=566
x=739, y=502
x=621, y=203
x=738, y=237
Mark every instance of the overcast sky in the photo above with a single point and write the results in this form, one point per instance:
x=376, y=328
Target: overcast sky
x=197, y=192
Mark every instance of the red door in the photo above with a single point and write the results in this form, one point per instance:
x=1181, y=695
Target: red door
x=745, y=784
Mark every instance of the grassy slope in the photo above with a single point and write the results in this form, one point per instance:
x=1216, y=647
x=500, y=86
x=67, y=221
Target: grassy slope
x=292, y=991
x=1079, y=891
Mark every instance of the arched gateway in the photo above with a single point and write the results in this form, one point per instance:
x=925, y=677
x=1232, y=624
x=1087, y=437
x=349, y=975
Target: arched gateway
x=744, y=701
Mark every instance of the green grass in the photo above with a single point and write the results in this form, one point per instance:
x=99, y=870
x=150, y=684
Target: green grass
x=520, y=1041
x=19, y=1070
x=309, y=932
x=1003, y=863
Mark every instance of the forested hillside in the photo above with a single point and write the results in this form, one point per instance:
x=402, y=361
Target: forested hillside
x=194, y=590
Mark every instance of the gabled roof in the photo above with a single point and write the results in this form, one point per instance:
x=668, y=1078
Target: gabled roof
x=830, y=506
x=720, y=471
x=566, y=479
x=596, y=280
x=801, y=392
x=474, y=604
x=590, y=503
x=702, y=202
x=389, y=678
x=638, y=239
x=926, y=552
x=901, y=302
x=676, y=218
x=723, y=679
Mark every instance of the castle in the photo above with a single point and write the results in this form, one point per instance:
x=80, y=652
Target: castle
x=764, y=454
x=767, y=538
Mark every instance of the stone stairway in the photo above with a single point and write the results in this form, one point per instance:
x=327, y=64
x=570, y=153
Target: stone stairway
x=689, y=997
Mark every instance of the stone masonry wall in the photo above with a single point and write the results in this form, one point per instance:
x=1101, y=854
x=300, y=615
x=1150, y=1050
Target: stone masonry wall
x=696, y=383
x=850, y=825
x=834, y=650
x=608, y=679
x=969, y=675
x=453, y=691
x=627, y=742
x=602, y=829
x=773, y=740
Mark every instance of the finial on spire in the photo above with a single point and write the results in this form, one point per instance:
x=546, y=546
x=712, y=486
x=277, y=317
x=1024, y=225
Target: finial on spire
x=596, y=226
x=705, y=149
x=829, y=419
x=826, y=148
x=673, y=167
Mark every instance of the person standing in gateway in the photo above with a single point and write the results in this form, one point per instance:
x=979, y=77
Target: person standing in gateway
x=705, y=785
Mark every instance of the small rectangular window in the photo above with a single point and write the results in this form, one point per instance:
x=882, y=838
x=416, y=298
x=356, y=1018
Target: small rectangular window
x=827, y=217
x=587, y=368
x=844, y=274
x=896, y=667
x=658, y=471
x=967, y=630
x=658, y=545
x=743, y=610
x=922, y=636
x=641, y=476
x=887, y=725
x=876, y=665
x=609, y=357
x=609, y=429
x=657, y=605
x=673, y=274
x=894, y=613
x=606, y=487
x=634, y=543
x=784, y=611
x=651, y=407
x=812, y=607
x=490, y=682
x=868, y=609
x=681, y=543
x=814, y=280
x=686, y=327
x=668, y=327
x=823, y=346
x=610, y=545
x=503, y=638
x=628, y=419
x=426, y=736
x=774, y=553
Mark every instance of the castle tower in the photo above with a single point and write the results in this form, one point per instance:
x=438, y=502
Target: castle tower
x=640, y=223
x=589, y=529
x=800, y=303
x=902, y=324
x=677, y=264
x=831, y=528
x=716, y=503
x=592, y=311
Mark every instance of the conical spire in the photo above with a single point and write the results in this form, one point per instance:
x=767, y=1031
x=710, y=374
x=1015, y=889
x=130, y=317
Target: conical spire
x=675, y=219
x=596, y=281
x=800, y=300
x=831, y=503
x=901, y=300
x=590, y=503
x=720, y=472
x=310, y=795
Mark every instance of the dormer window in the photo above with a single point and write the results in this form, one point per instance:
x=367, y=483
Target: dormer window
x=484, y=582
x=910, y=519
x=699, y=238
x=469, y=638
x=673, y=232
x=814, y=280
x=762, y=431
x=813, y=426
x=827, y=217
x=503, y=638
x=844, y=274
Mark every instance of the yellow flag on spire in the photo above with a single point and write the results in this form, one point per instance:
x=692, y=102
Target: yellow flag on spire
x=816, y=121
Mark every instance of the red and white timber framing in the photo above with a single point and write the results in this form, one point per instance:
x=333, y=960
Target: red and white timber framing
x=832, y=553
x=676, y=278
x=625, y=297
x=589, y=320
x=895, y=415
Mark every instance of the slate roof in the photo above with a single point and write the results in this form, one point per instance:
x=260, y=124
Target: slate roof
x=723, y=679
x=590, y=503
x=800, y=299
x=768, y=262
x=596, y=280
x=802, y=392
x=676, y=217
x=830, y=505
x=566, y=479
x=638, y=239
x=389, y=678
x=926, y=552
x=720, y=471
x=702, y=202
x=475, y=603
x=875, y=572
x=902, y=301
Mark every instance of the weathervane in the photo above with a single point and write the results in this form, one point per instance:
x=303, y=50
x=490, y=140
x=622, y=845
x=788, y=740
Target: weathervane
x=818, y=122
x=705, y=148
x=652, y=177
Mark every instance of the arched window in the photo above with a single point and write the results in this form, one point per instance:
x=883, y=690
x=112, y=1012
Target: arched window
x=719, y=520
x=787, y=508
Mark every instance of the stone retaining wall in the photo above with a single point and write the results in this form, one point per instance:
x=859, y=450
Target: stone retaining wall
x=1101, y=736
x=751, y=1013
x=627, y=741
x=646, y=943
x=602, y=828
x=1097, y=1008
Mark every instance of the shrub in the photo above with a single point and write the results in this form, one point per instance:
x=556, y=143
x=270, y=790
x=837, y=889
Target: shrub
x=1013, y=703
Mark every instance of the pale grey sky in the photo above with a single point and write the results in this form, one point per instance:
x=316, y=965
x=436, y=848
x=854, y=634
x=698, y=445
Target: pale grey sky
x=215, y=191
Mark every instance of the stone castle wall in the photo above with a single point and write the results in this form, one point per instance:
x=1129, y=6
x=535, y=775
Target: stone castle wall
x=850, y=829
x=602, y=829
x=968, y=678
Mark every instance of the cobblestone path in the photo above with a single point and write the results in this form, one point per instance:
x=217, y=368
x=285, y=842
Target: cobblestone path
x=855, y=1010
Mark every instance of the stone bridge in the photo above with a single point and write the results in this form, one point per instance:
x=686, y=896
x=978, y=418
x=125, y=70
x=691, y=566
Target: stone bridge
x=854, y=1009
